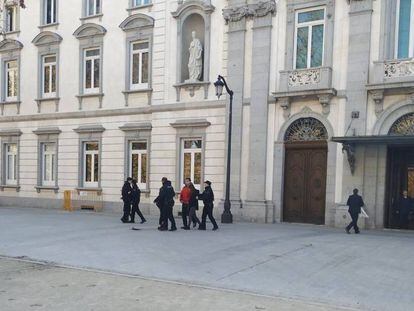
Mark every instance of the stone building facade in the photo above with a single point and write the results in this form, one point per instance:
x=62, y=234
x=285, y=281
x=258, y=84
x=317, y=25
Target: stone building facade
x=94, y=91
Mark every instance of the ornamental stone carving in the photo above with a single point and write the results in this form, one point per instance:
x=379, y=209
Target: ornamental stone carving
x=306, y=129
x=304, y=77
x=399, y=68
x=260, y=9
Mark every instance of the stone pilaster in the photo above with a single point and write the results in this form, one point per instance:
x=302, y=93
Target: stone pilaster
x=235, y=79
x=360, y=19
x=255, y=205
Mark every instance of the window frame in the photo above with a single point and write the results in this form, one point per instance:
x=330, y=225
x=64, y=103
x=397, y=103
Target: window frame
x=93, y=183
x=310, y=26
x=140, y=152
x=411, y=33
x=11, y=182
x=192, y=152
x=54, y=13
x=6, y=70
x=135, y=5
x=95, y=11
x=43, y=77
x=94, y=89
x=140, y=85
x=15, y=19
x=53, y=154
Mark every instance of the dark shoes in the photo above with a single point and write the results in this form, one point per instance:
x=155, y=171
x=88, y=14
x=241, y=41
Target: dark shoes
x=185, y=228
x=173, y=229
x=143, y=221
x=201, y=228
x=132, y=221
x=215, y=228
x=125, y=221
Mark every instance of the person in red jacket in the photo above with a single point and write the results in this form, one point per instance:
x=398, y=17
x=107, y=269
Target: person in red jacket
x=185, y=196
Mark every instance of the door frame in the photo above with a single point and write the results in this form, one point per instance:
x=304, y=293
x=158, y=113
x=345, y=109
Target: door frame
x=306, y=145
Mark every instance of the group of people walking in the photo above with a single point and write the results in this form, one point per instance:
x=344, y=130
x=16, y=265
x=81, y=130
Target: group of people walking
x=189, y=197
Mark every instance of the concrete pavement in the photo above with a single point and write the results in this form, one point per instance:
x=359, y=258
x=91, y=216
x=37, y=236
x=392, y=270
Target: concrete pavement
x=371, y=271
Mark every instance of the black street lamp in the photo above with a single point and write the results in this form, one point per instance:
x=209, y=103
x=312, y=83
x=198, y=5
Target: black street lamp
x=226, y=217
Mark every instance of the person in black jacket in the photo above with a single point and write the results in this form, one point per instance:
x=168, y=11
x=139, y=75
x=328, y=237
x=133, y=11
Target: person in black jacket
x=136, y=198
x=127, y=198
x=193, y=207
x=165, y=202
x=208, y=199
x=404, y=209
x=355, y=203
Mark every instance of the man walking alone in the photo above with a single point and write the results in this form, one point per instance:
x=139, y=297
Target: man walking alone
x=355, y=203
x=208, y=199
x=127, y=198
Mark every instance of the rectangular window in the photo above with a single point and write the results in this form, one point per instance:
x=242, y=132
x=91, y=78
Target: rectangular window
x=191, y=161
x=11, y=18
x=12, y=79
x=93, y=7
x=309, y=38
x=140, y=2
x=11, y=164
x=405, y=29
x=139, y=65
x=50, y=12
x=92, y=64
x=91, y=164
x=138, y=160
x=49, y=76
x=48, y=164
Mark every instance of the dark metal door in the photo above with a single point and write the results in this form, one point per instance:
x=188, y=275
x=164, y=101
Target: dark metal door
x=305, y=182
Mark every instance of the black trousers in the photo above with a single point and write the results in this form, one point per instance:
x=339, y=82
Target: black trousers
x=135, y=209
x=127, y=210
x=184, y=214
x=404, y=220
x=354, y=222
x=169, y=216
x=208, y=211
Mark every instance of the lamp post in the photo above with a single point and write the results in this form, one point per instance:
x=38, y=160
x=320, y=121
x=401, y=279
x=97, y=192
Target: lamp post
x=226, y=217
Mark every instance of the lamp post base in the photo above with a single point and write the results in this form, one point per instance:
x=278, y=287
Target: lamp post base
x=227, y=217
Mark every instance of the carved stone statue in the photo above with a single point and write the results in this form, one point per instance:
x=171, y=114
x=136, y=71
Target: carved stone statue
x=195, y=62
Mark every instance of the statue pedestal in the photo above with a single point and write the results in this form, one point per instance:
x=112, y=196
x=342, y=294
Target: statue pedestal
x=191, y=87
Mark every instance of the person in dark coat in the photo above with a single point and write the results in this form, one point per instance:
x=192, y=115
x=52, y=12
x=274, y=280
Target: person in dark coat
x=193, y=207
x=355, y=203
x=208, y=199
x=127, y=198
x=136, y=198
x=165, y=202
x=405, y=205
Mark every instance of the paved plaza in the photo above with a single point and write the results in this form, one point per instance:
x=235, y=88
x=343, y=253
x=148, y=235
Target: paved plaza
x=264, y=266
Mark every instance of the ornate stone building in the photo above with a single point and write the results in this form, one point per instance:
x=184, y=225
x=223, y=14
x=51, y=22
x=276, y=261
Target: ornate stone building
x=94, y=91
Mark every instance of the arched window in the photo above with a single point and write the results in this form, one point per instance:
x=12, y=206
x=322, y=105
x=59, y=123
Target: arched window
x=306, y=129
x=403, y=126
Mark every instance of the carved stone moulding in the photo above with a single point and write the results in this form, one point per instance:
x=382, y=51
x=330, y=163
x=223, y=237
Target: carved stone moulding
x=260, y=9
x=191, y=87
x=399, y=68
x=304, y=77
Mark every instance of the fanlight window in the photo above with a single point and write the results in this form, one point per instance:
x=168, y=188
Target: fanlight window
x=403, y=126
x=306, y=129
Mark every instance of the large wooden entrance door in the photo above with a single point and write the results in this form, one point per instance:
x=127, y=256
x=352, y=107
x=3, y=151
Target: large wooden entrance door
x=305, y=182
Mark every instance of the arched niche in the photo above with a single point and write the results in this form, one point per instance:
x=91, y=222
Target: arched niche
x=192, y=15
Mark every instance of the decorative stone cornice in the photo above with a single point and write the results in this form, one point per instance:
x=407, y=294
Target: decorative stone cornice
x=260, y=9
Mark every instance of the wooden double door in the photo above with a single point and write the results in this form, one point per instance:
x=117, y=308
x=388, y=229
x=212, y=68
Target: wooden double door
x=305, y=182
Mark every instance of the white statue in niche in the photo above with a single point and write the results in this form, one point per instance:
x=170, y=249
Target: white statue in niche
x=195, y=62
